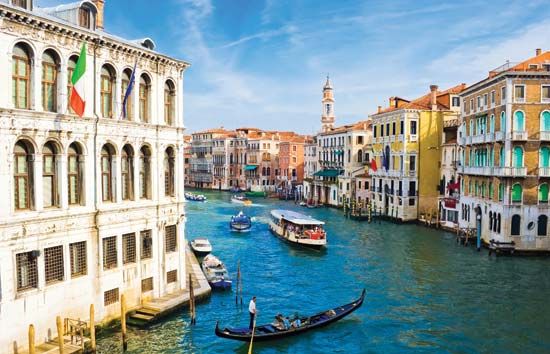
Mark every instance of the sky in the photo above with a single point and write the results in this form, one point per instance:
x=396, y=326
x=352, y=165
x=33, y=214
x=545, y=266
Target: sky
x=263, y=63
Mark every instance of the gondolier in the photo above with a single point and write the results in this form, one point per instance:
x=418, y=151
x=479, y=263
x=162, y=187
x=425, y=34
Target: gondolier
x=252, y=312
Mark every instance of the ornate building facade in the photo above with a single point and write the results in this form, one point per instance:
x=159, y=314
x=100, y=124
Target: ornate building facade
x=93, y=206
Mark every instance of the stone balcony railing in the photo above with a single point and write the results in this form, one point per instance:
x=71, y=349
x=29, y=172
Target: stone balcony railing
x=544, y=171
x=545, y=135
x=519, y=135
x=499, y=136
x=510, y=171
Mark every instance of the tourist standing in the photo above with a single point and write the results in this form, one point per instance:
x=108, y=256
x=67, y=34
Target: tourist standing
x=252, y=312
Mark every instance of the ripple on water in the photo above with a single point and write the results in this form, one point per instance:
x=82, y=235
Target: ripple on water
x=425, y=293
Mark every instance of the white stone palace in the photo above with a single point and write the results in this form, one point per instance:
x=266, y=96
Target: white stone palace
x=91, y=208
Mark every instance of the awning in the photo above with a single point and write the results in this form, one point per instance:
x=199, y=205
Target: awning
x=328, y=173
x=250, y=167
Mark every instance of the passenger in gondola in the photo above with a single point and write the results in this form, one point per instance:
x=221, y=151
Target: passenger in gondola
x=286, y=323
x=278, y=323
x=296, y=323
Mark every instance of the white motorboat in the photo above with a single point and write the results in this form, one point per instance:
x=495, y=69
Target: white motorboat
x=201, y=247
x=216, y=273
x=241, y=199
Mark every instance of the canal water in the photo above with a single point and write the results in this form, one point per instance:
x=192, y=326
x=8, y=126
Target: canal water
x=425, y=293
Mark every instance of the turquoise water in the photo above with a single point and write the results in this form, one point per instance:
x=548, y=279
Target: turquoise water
x=425, y=293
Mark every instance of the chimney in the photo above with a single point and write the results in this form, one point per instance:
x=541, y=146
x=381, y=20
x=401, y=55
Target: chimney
x=433, y=97
x=392, y=102
x=538, y=51
x=379, y=109
x=99, y=20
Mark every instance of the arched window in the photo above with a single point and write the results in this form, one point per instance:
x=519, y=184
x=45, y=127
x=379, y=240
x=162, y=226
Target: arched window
x=107, y=176
x=516, y=225
x=71, y=65
x=517, y=193
x=269, y=171
x=492, y=157
x=349, y=157
x=263, y=171
x=490, y=190
x=545, y=121
x=127, y=169
x=542, y=224
x=498, y=223
x=107, y=91
x=471, y=127
x=492, y=123
x=23, y=175
x=21, y=76
x=503, y=121
x=50, y=66
x=144, y=173
x=50, y=178
x=75, y=174
x=544, y=157
x=144, y=97
x=543, y=193
x=169, y=103
x=360, y=157
x=500, y=192
x=169, y=173
x=231, y=158
x=519, y=121
x=501, y=156
x=518, y=156
x=128, y=106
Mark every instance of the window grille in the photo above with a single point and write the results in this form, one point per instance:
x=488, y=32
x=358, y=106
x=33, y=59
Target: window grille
x=109, y=253
x=27, y=271
x=79, y=264
x=110, y=297
x=171, y=240
x=146, y=285
x=129, y=248
x=53, y=264
x=171, y=276
x=146, y=244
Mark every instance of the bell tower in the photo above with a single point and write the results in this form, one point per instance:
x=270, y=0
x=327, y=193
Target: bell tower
x=327, y=118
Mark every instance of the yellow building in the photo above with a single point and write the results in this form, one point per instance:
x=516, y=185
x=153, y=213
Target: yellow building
x=406, y=140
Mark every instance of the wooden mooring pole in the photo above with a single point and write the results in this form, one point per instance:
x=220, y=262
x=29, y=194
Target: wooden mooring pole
x=192, y=312
x=60, y=334
x=123, y=322
x=31, y=340
x=92, y=329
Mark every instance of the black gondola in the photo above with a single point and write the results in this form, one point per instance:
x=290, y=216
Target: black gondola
x=269, y=332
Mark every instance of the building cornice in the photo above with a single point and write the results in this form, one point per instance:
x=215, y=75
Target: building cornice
x=499, y=77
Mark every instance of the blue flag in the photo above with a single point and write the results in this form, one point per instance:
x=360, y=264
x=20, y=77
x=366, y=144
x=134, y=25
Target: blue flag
x=129, y=90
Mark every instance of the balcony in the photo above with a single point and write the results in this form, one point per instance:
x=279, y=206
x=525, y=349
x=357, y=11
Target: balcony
x=478, y=139
x=545, y=135
x=468, y=140
x=519, y=135
x=478, y=170
x=510, y=171
x=400, y=137
x=489, y=137
x=544, y=171
x=499, y=136
x=461, y=141
x=392, y=138
x=413, y=137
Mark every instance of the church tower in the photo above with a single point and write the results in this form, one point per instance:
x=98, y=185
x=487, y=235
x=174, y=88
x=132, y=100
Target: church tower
x=327, y=118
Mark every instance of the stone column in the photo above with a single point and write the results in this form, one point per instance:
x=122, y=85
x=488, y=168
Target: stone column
x=38, y=185
x=62, y=94
x=36, y=85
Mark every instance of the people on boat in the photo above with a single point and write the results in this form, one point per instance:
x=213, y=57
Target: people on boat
x=296, y=323
x=252, y=311
x=278, y=322
x=330, y=313
x=286, y=323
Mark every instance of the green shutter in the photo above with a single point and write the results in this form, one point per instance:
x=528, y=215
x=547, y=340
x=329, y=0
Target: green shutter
x=516, y=193
x=503, y=122
x=519, y=121
x=518, y=156
x=543, y=193
x=545, y=121
x=544, y=157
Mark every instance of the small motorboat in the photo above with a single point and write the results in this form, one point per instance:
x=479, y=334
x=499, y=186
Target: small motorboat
x=201, y=247
x=299, y=324
x=216, y=273
x=303, y=204
x=241, y=199
x=240, y=222
x=195, y=197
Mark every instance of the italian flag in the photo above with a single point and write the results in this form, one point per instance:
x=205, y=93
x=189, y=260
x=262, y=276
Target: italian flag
x=78, y=102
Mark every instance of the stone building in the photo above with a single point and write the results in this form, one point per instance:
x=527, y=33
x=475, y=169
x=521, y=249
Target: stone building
x=406, y=141
x=505, y=154
x=93, y=206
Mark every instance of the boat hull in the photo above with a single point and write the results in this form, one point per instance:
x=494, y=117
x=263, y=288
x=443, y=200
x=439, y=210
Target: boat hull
x=200, y=253
x=244, y=334
x=240, y=227
x=311, y=244
x=221, y=284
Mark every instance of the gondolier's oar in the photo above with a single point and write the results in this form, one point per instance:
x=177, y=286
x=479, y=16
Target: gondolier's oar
x=252, y=336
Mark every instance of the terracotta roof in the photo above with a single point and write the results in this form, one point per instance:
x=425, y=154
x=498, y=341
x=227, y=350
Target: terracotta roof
x=424, y=102
x=361, y=125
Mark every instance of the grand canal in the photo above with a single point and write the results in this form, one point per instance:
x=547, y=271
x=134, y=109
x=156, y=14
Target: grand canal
x=424, y=292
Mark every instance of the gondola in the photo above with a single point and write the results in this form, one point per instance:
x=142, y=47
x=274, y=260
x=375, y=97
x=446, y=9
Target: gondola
x=269, y=332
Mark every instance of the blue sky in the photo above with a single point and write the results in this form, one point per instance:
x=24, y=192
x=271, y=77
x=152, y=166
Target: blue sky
x=263, y=62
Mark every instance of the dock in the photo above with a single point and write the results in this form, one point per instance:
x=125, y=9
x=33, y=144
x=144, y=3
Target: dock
x=69, y=347
x=153, y=310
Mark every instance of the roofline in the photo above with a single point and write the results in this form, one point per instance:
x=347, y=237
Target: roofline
x=490, y=80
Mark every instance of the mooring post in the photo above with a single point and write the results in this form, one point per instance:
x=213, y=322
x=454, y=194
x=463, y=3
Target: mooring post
x=92, y=328
x=191, y=301
x=123, y=321
x=31, y=339
x=60, y=340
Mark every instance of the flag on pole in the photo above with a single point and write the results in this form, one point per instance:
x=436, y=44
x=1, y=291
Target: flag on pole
x=78, y=99
x=129, y=90
x=373, y=166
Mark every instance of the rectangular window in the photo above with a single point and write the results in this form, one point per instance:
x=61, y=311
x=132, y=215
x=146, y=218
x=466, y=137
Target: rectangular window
x=110, y=297
x=393, y=128
x=146, y=244
x=503, y=94
x=374, y=131
x=519, y=93
x=171, y=240
x=79, y=264
x=388, y=129
x=360, y=140
x=545, y=91
x=171, y=276
x=478, y=103
x=485, y=100
x=456, y=101
x=146, y=285
x=402, y=123
x=382, y=130
x=109, y=253
x=413, y=127
x=27, y=270
x=129, y=248
x=412, y=163
x=493, y=94
x=84, y=17
x=53, y=264
x=471, y=105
